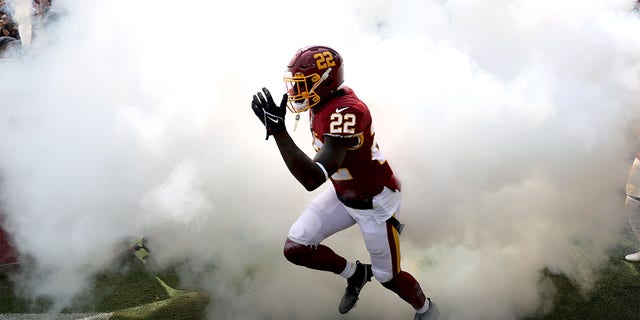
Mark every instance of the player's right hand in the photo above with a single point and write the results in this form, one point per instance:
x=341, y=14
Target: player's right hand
x=271, y=115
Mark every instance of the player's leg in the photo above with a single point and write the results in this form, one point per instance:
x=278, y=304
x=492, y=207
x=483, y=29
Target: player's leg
x=632, y=204
x=632, y=208
x=322, y=218
x=383, y=243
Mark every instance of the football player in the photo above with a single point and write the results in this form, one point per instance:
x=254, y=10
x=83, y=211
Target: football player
x=363, y=189
x=632, y=201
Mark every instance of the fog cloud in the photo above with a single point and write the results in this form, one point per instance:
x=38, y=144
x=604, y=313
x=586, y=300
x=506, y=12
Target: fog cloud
x=506, y=121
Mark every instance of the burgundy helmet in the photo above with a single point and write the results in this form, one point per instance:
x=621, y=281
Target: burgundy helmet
x=313, y=76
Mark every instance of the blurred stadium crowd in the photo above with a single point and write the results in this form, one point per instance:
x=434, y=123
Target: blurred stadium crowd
x=41, y=13
x=10, y=37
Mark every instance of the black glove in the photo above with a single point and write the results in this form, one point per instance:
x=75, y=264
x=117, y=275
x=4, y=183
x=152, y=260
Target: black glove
x=271, y=116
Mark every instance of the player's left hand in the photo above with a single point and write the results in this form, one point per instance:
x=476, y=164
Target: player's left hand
x=270, y=114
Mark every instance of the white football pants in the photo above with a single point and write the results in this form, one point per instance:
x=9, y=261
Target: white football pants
x=326, y=215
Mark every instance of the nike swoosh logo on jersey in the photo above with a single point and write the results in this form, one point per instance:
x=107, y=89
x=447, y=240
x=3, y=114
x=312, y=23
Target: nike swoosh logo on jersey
x=338, y=110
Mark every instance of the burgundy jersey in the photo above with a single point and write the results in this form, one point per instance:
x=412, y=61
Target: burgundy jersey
x=364, y=171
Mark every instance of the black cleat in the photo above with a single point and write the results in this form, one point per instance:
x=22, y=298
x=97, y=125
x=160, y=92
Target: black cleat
x=354, y=286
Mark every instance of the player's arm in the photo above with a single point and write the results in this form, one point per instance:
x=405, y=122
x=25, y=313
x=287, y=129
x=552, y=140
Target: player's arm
x=312, y=173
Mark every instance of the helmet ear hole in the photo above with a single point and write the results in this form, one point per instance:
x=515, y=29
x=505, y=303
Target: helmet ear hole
x=329, y=84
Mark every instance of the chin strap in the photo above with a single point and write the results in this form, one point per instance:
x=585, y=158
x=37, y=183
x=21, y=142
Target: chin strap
x=324, y=76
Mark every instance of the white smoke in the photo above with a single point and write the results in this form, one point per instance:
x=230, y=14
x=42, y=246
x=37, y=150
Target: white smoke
x=505, y=120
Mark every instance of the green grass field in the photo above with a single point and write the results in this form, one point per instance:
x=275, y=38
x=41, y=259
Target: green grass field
x=137, y=293
x=615, y=293
x=134, y=292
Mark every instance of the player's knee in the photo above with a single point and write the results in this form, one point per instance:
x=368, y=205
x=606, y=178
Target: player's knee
x=382, y=275
x=390, y=284
x=294, y=252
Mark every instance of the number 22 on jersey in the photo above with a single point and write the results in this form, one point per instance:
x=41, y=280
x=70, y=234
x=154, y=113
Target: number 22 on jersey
x=342, y=123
